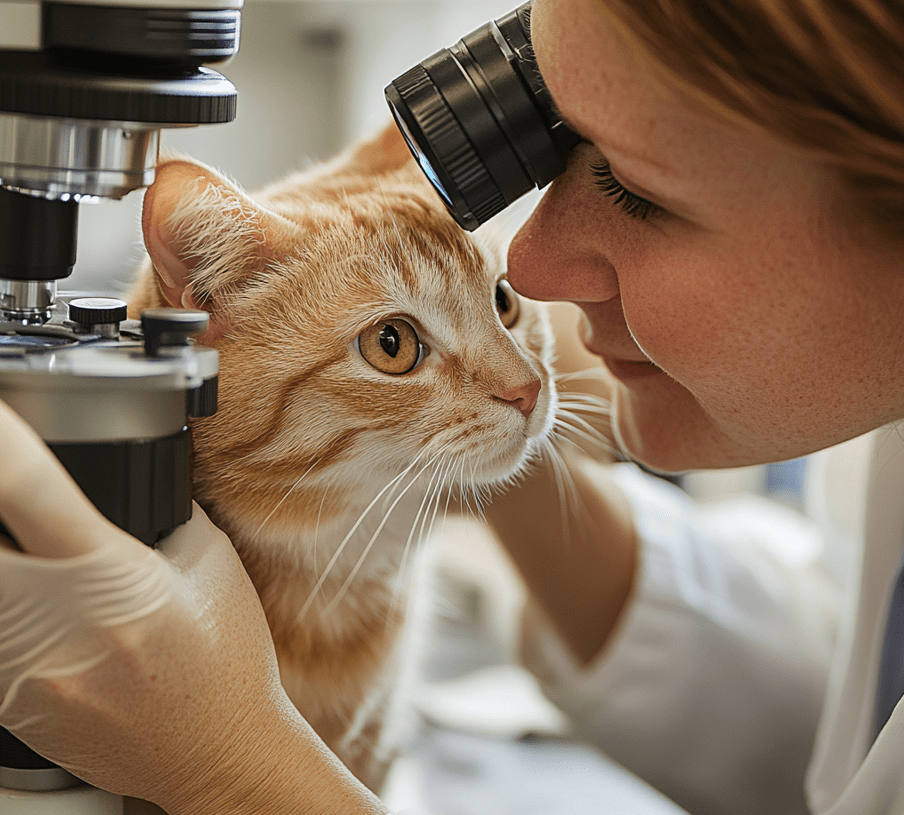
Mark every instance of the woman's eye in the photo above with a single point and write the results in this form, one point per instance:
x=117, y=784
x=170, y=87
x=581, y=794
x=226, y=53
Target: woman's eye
x=391, y=346
x=507, y=303
x=633, y=205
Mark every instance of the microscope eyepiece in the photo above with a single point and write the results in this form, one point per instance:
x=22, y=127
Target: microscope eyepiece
x=480, y=121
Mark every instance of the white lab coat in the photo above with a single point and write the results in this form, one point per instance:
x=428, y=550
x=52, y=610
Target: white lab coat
x=752, y=632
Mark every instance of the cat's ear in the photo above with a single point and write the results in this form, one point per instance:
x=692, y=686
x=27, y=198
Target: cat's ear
x=383, y=152
x=206, y=238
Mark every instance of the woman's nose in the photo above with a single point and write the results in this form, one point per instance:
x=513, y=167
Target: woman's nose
x=559, y=253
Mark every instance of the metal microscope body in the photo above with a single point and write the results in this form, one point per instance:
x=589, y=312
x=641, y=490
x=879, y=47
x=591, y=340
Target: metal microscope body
x=81, y=110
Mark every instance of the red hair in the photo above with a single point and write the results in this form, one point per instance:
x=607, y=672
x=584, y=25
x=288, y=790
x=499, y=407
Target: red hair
x=824, y=75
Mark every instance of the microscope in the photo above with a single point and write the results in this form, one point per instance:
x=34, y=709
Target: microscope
x=81, y=112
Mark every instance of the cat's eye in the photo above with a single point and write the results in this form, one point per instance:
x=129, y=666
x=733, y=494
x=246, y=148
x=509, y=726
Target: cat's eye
x=507, y=303
x=391, y=346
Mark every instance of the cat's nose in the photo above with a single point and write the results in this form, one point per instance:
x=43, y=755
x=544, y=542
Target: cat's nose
x=523, y=397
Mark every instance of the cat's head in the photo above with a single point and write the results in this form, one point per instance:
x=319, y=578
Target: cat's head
x=360, y=331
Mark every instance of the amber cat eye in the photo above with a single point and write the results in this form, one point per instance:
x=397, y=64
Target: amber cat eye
x=391, y=346
x=507, y=303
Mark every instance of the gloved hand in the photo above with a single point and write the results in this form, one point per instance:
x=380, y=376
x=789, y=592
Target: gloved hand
x=145, y=672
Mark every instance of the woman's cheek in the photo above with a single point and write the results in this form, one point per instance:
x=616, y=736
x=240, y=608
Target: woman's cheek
x=682, y=323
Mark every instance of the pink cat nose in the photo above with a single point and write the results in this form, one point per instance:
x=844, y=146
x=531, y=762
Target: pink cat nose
x=523, y=397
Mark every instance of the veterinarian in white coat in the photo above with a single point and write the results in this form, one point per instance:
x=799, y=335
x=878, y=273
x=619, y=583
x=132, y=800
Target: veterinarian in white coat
x=712, y=685
x=734, y=218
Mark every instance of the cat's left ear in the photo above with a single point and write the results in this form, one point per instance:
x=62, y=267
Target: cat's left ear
x=207, y=238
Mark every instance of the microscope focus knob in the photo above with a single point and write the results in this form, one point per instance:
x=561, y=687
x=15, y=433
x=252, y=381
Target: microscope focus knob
x=97, y=310
x=164, y=327
x=168, y=327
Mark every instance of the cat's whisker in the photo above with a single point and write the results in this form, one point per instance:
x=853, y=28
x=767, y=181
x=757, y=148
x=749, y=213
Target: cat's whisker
x=314, y=543
x=459, y=481
x=595, y=424
x=343, y=589
x=417, y=524
x=578, y=426
x=436, y=511
x=398, y=595
x=575, y=430
x=383, y=521
x=585, y=401
x=437, y=494
x=568, y=495
x=473, y=482
x=571, y=503
x=480, y=494
x=341, y=548
x=563, y=382
x=449, y=489
x=583, y=374
x=580, y=419
x=402, y=595
x=283, y=500
x=589, y=402
x=456, y=488
x=391, y=496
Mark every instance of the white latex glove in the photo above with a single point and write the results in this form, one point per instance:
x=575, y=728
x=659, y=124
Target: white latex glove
x=148, y=673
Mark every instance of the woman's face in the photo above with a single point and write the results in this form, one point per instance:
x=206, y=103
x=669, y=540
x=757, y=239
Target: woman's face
x=744, y=318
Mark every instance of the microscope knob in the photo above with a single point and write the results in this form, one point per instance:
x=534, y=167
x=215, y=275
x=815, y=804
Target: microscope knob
x=97, y=310
x=170, y=326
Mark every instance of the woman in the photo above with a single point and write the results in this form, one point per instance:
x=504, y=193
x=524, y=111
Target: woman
x=731, y=229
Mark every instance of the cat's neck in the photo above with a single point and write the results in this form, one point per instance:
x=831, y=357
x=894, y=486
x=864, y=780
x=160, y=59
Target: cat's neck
x=371, y=532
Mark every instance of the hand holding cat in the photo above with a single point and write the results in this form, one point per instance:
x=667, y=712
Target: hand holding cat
x=147, y=673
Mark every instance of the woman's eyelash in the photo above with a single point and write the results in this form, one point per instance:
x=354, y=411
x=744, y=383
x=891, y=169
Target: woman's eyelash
x=633, y=205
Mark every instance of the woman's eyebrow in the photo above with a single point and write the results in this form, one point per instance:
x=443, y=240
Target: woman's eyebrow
x=605, y=146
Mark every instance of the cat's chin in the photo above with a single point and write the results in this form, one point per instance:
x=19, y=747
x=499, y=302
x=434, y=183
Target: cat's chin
x=506, y=468
x=510, y=462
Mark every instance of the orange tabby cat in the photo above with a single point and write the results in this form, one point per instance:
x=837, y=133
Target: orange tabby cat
x=371, y=356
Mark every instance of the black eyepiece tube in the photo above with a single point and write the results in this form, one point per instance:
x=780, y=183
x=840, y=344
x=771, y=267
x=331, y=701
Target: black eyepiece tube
x=480, y=121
